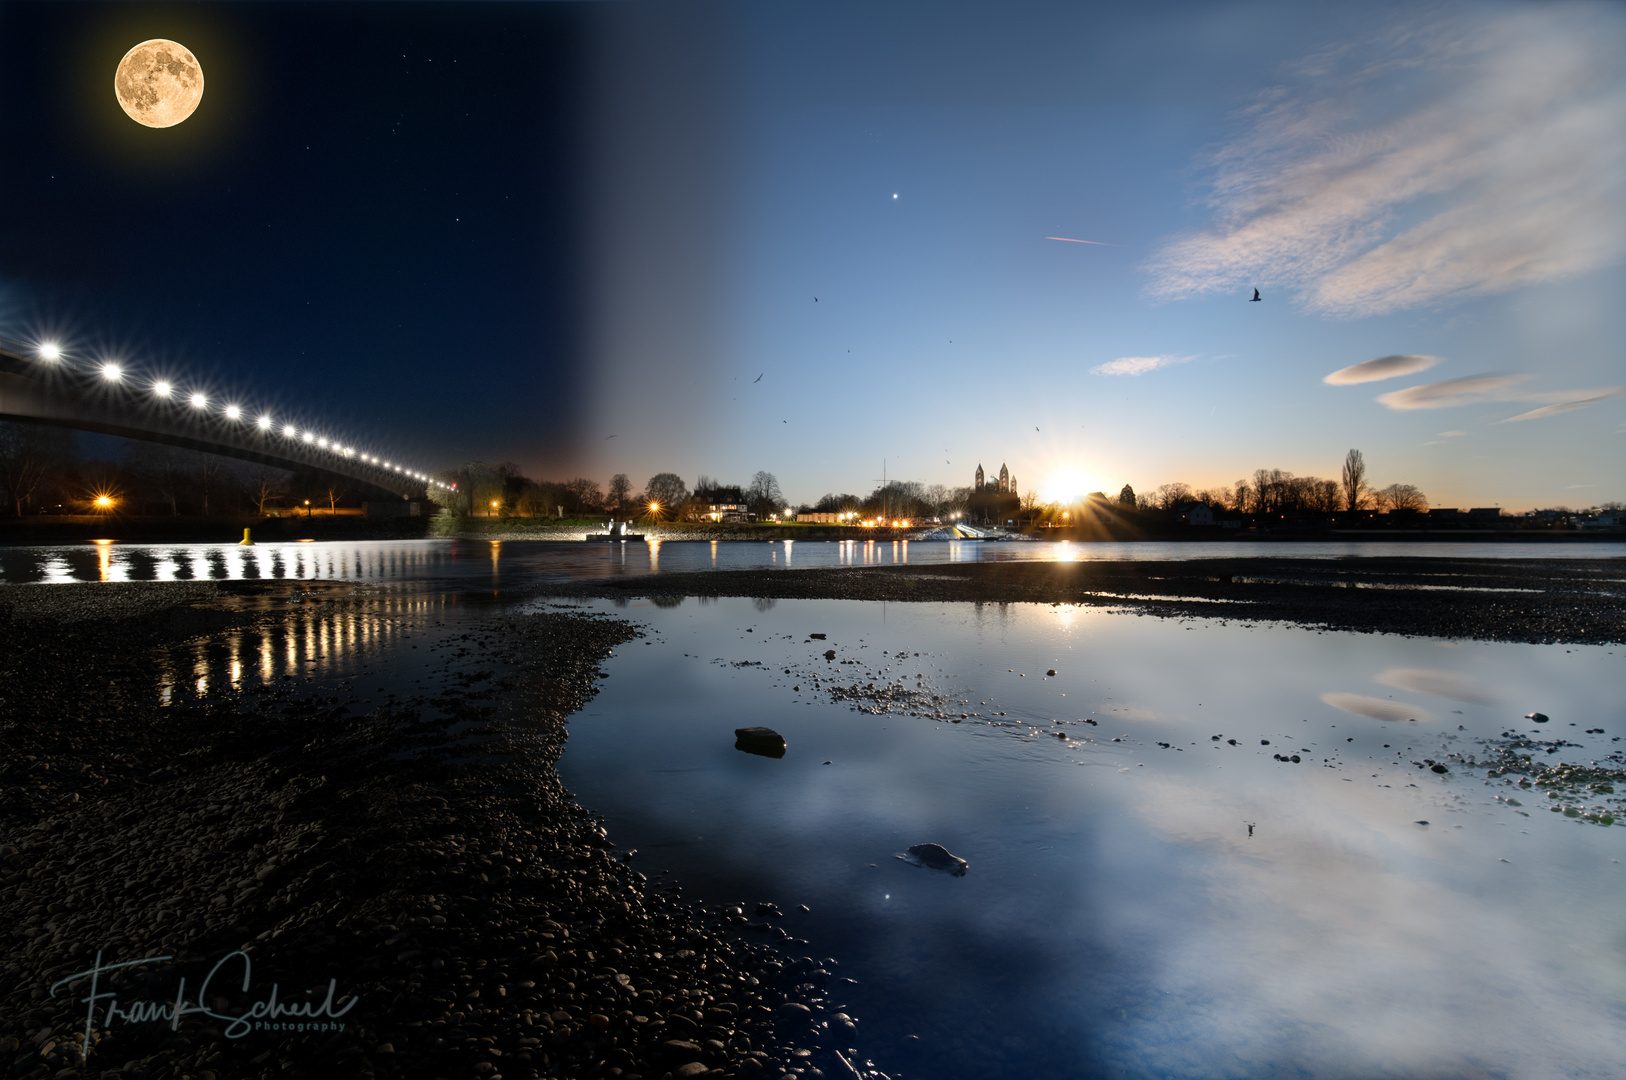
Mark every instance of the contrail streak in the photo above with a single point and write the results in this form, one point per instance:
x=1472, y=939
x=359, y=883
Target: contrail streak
x=1070, y=240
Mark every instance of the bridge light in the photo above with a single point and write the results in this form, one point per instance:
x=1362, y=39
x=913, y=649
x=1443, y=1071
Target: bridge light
x=233, y=412
x=50, y=350
x=264, y=423
x=289, y=430
x=199, y=401
x=308, y=437
x=322, y=443
x=161, y=388
x=112, y=372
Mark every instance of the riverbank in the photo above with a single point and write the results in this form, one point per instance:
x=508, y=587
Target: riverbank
x=1542, y=601
x=418, y=856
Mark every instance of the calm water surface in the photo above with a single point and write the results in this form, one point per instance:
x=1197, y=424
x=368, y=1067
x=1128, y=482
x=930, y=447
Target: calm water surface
x=482, y=564
x=1143, y=899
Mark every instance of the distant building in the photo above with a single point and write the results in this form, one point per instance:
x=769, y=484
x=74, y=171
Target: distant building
x=1005, y=485
x=1197, y=514
x=820, y=517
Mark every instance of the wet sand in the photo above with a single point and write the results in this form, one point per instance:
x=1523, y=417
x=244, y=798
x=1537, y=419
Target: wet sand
x=422, y=856
x=1541, y=601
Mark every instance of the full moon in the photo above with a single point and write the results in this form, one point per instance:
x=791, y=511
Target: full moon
x=158, y=83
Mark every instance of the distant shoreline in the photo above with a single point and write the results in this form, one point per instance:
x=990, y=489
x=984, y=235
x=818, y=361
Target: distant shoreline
x=35, y=531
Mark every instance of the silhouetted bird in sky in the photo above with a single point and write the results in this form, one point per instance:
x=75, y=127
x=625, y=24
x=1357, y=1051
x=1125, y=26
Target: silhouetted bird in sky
x=758, y=378
x=1256, y=297
x=815, y=299
x=1035, y=427
x=607, y=438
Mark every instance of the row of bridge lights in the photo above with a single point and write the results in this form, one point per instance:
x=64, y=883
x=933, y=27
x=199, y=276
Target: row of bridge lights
x=52, y=353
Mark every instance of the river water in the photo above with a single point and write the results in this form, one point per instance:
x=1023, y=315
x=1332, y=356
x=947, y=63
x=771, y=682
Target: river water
x=1156, y=888
x=480, y=564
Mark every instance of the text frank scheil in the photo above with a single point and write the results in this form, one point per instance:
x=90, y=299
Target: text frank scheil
x=261, y=1013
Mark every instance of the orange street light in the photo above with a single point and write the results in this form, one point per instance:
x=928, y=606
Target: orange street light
x=104, y=502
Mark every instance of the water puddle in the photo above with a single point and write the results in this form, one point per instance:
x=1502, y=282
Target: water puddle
x=1194, y=848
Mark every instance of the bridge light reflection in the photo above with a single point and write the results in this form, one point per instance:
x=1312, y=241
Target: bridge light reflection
x=50, y=350
x=233, y=412
x=112, y=372
x=199, y=401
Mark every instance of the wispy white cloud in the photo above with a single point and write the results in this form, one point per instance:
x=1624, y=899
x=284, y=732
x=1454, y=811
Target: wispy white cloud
x=1384, y=367
x=1470, y=390
x=1490, y=389
x=1138, y=365
x=1566, y=406
x=1452, y=434
x=1431, y=163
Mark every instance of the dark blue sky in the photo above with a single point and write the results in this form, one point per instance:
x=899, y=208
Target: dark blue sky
x=372, y=221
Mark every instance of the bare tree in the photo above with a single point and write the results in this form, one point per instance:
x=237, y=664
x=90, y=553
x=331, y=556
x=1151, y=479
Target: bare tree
x=1354, y=479
x=620, y=491
x=1401, y=497
x=29, y=457
x=265, y=484
x=667, y=491
x=763, y=495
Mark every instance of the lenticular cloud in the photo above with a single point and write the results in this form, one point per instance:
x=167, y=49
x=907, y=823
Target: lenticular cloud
x=1501, y=166
x=1384, y=367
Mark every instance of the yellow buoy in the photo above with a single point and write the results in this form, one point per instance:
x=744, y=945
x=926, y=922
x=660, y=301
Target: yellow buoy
x=245, y=541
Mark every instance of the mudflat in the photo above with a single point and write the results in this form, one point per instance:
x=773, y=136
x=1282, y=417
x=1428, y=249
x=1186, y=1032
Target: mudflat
x=1541, y=601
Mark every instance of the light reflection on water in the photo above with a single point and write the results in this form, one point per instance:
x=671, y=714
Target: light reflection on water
x=1133, y=908
x=514, y=562
x=314, y=641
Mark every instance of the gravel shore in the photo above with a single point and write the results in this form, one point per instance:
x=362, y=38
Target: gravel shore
x=421, y=859
x=1541, y=601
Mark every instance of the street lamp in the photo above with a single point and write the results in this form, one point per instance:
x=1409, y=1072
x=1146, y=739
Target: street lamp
x=307, y=509
x=493, y=507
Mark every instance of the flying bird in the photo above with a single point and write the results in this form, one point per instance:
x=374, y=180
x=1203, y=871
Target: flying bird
x=607, y=438
x=815, y=299
x=1256, y=297
x=758, y=378
x=1035, y=427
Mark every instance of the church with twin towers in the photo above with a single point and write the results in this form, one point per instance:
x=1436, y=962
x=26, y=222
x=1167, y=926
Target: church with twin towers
x=1005, y=485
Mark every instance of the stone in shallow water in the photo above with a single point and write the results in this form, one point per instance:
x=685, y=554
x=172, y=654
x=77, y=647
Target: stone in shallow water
x=763, y=741
x=937, y=857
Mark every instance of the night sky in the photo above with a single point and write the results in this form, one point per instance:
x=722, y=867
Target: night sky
x=374, y=218
x=574, y=235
